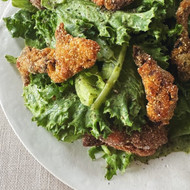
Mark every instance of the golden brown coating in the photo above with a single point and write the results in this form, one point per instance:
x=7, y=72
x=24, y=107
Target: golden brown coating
x=161, y=93
x=181, y=52
x=89, y=140
x=34, y=61
x=144, y=143
x=72, y=55
x=113, y=4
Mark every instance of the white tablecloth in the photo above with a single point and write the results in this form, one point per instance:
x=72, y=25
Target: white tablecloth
x=18, y=169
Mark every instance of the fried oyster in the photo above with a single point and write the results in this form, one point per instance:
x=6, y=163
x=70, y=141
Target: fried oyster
x=113, y=4
x=161, y=93
x=181, y=52
x=144, y=143
x=34, y=61
x=70, y=56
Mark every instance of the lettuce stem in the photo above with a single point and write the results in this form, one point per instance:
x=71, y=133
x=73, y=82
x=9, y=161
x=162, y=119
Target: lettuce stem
x=111, y=81
x=106, y=150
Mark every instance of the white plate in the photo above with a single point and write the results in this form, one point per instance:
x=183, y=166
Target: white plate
x=70, y=162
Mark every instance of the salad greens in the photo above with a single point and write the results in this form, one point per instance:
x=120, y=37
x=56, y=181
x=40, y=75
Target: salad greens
x=115, y=159
x=11, y=59
x=24, y=4
x=111, y=92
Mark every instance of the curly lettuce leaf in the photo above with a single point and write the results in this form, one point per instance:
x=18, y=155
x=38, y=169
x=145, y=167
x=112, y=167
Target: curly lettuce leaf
x=98, y=123
x=106, y=53
x=126, y=102
x=159, y=41
x=53, y=109
x=114, y=26
x=159, y=54
x=11, y=59
x=45, y=26
x=163, y=31
x=137, y=22
x=37, y=28
x=57, y=108
x=24, y=4
x=115, y=159
x=22, y=24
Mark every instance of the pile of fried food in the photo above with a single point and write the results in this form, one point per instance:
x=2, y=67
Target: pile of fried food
x=73, y=54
